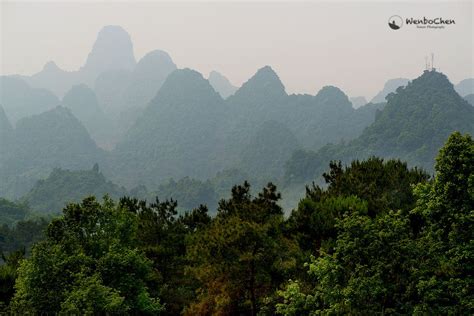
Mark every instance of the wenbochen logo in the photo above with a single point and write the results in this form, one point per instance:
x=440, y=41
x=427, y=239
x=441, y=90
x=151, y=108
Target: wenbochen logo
x=395, y=22
x=433, y=23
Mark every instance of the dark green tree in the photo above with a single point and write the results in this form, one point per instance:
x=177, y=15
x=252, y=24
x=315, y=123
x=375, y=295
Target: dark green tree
x=11, y=212
x=8, y=275
x=162, y=235
x=380, y=185
x=241, y=256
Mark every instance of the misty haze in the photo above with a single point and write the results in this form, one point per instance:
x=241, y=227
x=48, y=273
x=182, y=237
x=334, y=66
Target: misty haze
x=236, y=159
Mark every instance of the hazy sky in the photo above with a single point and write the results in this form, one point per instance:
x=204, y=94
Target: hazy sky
x=309, y=44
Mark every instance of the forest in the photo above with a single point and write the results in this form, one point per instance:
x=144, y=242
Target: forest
x=378, y=238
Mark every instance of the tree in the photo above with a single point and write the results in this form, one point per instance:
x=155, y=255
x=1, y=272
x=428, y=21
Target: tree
x=381, y=264
x=22, y=235
x=162, y=237
x=89, y=262
x=11, y=212
x=371, y=187
x=242, y=255
x=445, y=278
x=8, y=275
x=369, y=270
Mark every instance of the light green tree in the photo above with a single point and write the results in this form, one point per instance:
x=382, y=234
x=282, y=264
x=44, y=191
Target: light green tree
x=89, y=262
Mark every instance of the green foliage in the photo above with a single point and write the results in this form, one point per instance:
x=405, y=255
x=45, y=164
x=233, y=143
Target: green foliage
x=444, y=279
x=66, y=186
x=91, y=251
x=383, y=184
x=162, y=237
x=383, y=265
x=368, y=187
x=370, y=268
x=313, y=222
x=380, y=238
x=22, y=235
x=91, y=296
x=241, y=256
x=11, y=212
x=8, y=275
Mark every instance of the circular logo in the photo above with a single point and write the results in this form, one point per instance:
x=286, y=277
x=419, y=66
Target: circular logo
x=395, y=22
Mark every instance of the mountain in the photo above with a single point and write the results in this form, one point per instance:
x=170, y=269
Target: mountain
x=82, y=102
x=122, y=90
x=53, y=78
x=189, y=130
x=268, y=150
x=221, y=84
x=147, y=78
x=125, y=94
x=357, y=102
x=53, y=139
x=262, y=98
x=6, y=134
x=314, y=120
x=109, y=87
x=53, y=135
x=6, y=128
x=176, y=135
x=389, y=87
x=417, y=120
x=470, y=99
x=66, y=186
x=465, y=87
x=327, y=117
x=412, y=126
x=19, y=99
x=112, y=50
x=262, y=89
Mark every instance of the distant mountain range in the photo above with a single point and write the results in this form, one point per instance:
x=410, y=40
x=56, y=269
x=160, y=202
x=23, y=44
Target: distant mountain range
x=42, y=142
x=149, y=123
x=389, y=87
x=20, y=100
x=113, y=49
x=465, y=87
x=67, y=186
x=470, y=98
x=357, y=102
x=190, y=130
x=221, y=84
x=412, y=126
